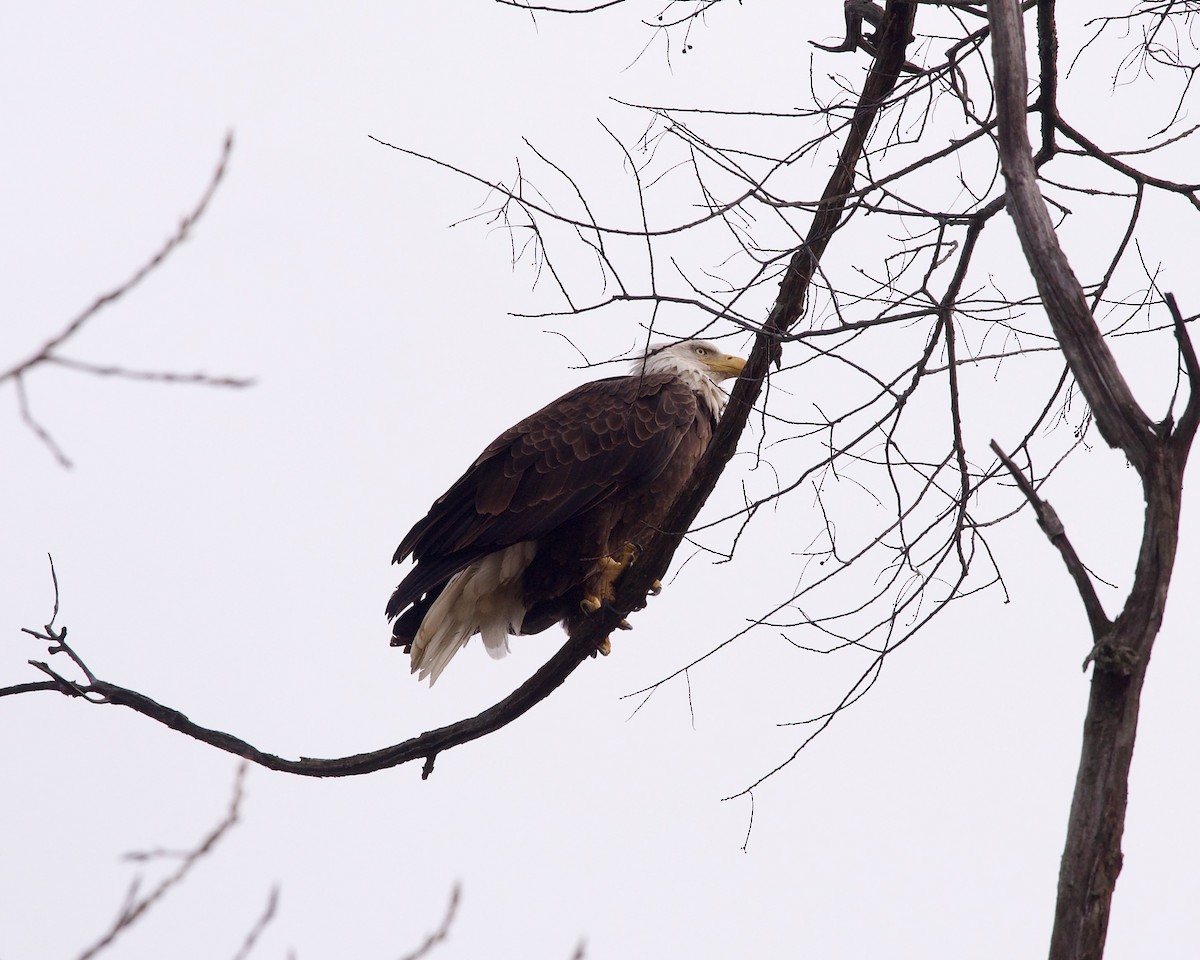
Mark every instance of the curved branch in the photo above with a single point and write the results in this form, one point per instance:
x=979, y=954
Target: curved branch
x=424, y=747
x=427, y=746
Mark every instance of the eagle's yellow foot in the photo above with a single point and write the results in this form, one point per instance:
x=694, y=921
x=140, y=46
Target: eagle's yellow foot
x=608, y=569
x=656, y=588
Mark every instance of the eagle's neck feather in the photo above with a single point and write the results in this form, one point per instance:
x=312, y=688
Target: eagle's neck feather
x=709, y=393
x=690, y=372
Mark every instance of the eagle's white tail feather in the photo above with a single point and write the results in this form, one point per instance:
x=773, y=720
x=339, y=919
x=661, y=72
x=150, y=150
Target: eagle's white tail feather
x=484, y=598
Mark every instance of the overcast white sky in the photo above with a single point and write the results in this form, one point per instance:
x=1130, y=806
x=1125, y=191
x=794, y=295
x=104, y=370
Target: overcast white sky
x=227, y=552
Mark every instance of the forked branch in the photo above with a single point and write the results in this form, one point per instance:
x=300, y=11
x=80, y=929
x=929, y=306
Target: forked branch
x=48, y=353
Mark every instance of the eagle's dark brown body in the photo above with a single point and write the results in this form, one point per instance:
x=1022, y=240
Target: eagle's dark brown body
x=523, y=533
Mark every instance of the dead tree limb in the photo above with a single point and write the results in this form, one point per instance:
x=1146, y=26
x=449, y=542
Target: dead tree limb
x=1158, y=452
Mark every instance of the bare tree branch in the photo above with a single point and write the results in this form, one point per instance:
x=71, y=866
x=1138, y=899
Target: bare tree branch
x=1050, y=523
x=47, y=353
x=260, y=925
x=443, y=930
x=425, y=747
x=136, y=906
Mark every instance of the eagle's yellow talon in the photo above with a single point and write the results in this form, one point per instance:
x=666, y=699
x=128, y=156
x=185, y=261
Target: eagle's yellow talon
x=624, y=625
x=589, y=604
x=655, y=588
x=604, y=647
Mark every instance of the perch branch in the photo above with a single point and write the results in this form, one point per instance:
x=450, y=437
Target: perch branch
x=424, y=747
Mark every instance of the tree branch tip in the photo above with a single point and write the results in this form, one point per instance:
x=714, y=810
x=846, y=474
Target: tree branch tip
x=64, y=684
x=427, y=767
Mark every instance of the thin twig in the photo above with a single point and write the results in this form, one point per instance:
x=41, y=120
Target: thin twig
x=441, y=932
x=136, y=907
x=260, y=925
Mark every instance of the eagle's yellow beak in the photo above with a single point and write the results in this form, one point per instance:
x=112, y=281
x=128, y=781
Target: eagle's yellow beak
x=726, y=365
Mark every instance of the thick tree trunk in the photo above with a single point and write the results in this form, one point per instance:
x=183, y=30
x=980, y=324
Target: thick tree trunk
x=1092, y=854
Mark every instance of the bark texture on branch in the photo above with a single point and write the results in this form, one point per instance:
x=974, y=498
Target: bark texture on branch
x=1121, y=651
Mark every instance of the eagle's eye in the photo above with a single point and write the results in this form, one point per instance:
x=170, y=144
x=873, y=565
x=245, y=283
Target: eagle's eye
x=701, y=352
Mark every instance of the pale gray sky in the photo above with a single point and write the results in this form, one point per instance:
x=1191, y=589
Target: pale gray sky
x=227, y=552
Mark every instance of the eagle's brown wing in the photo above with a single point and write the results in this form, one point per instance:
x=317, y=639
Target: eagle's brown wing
x=605, y=438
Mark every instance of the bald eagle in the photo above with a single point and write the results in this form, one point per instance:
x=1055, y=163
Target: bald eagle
x=540, y=526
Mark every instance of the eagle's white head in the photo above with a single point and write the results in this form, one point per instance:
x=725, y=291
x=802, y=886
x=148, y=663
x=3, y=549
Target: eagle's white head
x=698, y=362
